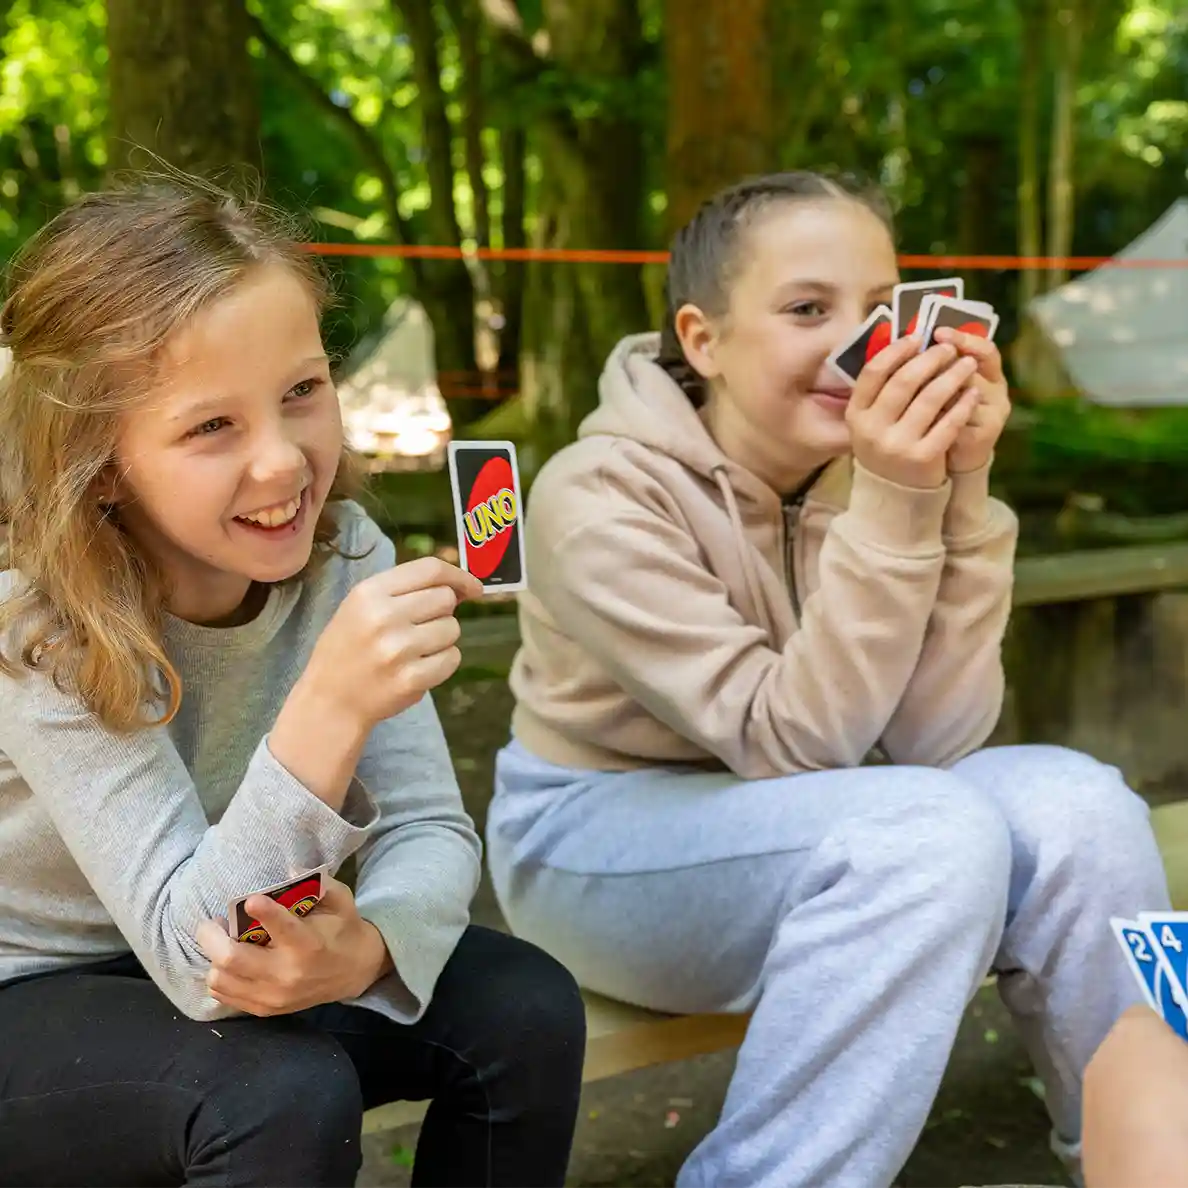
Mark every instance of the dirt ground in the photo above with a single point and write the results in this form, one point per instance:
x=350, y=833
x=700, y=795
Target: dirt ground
x=988, y=1125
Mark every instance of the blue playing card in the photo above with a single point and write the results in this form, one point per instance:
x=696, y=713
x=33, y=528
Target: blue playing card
x=1169, y=931
x=1150, y=967
x=1136, y=944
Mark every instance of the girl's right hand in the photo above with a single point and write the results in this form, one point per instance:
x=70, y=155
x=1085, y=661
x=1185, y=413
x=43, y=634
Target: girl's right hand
x=391, y=640
x=906, y=410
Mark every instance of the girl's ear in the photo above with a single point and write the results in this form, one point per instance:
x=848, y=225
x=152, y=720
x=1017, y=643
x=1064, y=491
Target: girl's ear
x=698, y=339
x=108, y=486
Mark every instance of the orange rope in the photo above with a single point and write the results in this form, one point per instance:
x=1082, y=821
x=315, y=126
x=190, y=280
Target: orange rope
x=608, y=256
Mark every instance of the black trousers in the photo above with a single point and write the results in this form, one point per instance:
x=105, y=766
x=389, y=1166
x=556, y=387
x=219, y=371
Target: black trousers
x=104, y=1084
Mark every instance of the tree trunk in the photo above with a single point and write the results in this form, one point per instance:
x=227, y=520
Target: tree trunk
x=465, y=20
x=182, y=85
x=1027, y=193
x=448, y=294
x=513, y=150
x=721, y=114
x=1067, y=31
x=591, y=196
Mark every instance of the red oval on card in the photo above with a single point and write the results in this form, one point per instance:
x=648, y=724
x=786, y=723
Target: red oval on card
x=492, y=510
x=880, y=338
x=978, y=328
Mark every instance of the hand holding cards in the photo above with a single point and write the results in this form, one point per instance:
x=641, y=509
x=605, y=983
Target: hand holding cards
x=917, y=308
x=304, y=943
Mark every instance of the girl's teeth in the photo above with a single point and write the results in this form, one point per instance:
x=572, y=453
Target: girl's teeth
x=274, y=517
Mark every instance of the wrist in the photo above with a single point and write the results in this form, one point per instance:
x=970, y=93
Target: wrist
x=318, y=740
x=375, y=961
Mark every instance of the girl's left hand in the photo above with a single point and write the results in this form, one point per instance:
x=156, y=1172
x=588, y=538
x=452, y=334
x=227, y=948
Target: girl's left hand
x=327, y=956
x=975, y=442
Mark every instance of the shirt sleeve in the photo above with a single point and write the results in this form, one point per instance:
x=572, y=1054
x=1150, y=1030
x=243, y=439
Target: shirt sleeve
x=129, y=813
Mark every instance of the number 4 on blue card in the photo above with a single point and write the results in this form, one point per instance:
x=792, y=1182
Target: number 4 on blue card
x=1169, y=930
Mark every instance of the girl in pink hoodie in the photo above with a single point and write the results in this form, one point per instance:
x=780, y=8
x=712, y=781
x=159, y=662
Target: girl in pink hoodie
x=745, y=579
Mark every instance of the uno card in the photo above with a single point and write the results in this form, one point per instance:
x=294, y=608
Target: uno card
x=1149, y=966
x=299, y=895
x=1140, y=957
x=1169, y=931
x=871, y=337
x=970, y=317
x=488, y=511
x=907, y=298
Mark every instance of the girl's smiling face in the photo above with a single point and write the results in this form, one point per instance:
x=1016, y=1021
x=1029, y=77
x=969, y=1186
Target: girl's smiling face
x=808, y=272
x=221, y=473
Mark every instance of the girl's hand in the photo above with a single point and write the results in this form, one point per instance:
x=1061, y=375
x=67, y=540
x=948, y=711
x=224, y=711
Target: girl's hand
x=392, y=640
x=330, y=955
x=974, y=446
x=907, y=410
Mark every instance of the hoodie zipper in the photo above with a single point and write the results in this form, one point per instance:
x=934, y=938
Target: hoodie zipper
x=792, y=505
x=791, y=509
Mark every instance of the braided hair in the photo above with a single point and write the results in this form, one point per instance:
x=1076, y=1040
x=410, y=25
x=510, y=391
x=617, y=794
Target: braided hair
x=704, y=256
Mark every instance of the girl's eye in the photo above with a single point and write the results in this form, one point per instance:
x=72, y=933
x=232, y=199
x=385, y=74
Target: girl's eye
x=807, y=309
x=208, y=427
x=305, y=388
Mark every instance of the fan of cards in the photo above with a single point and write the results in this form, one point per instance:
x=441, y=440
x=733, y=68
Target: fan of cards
x=918, y=307
x=1156, y=948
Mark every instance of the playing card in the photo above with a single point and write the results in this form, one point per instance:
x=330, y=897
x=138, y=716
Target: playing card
x=871, y=337
x=1169, y=932
x=485, y=481
x=970, y=317
x=1140, y=957
x=907, y=298
x=298, y=894
x=1142, y=954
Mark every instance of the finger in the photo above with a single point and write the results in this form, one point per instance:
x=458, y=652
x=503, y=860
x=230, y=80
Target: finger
x=423, y=606
x=283, y=927
x=904, y=389
x=983, y=349
x=875, y=374
x=943, y=434
x=239, y=996
x=213, y=940
x=336, y=897
x=425, y=572
x=434, y=637
x=931, y=400
x=430, y=671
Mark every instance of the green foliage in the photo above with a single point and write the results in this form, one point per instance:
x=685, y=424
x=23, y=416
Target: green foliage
x=924, y=96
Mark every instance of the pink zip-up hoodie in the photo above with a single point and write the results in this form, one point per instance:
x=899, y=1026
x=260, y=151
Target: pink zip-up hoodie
x=678, y=611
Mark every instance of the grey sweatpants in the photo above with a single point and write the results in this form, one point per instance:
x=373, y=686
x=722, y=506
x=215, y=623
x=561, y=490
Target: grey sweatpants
x=855, y=911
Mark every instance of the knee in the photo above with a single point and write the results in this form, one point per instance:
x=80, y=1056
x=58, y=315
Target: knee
x=946, y=841
x=298, y=1084
x=1064, y=803
x=530, y=999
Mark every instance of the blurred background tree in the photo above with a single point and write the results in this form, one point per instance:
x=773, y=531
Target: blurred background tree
x=1001, y=127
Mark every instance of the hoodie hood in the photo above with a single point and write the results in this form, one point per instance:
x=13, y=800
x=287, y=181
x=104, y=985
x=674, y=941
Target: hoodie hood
x=640, y=401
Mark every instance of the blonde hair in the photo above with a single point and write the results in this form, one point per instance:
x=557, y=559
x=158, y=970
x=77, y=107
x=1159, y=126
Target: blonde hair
x=92, y=298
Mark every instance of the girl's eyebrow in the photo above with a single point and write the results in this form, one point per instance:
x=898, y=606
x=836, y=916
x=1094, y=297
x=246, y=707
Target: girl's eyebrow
x=201, y=409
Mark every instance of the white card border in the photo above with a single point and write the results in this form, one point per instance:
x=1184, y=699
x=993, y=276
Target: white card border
x=453, y=447
x=872, y=317
x=958, y=282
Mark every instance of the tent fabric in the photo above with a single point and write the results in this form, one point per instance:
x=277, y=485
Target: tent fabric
x=391, y=405
x=1122, y=333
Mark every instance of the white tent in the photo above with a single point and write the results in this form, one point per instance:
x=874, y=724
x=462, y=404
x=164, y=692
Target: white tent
x=1121, y=333
x=392, y=409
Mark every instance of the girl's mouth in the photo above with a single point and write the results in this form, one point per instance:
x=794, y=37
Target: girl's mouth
x=278, y=520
